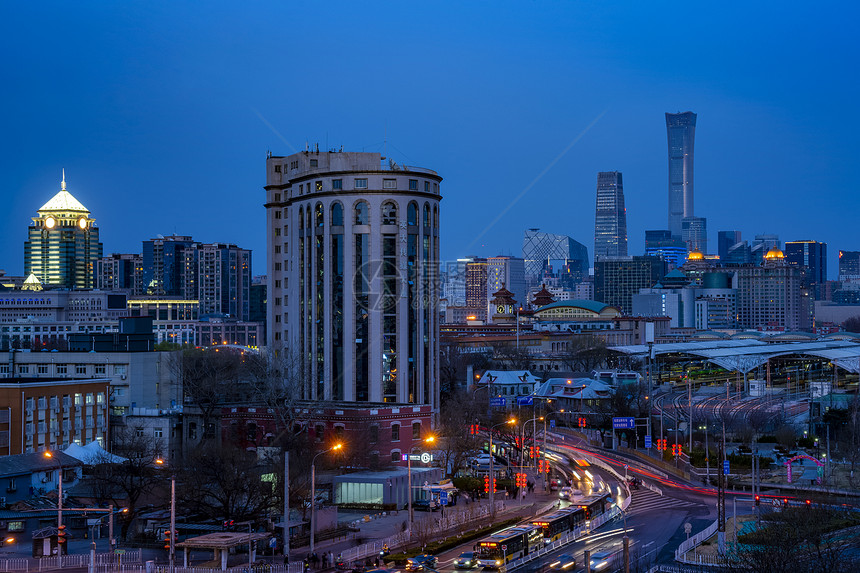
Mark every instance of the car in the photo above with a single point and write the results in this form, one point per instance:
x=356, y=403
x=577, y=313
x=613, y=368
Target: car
x=425, y=505
x=601, y=559
x=465, y=560
x=420, y=562
x=563, y=562
x=554, y=484
x=569, y=493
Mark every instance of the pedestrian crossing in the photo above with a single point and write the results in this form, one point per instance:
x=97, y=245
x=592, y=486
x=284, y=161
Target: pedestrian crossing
x=645, y=501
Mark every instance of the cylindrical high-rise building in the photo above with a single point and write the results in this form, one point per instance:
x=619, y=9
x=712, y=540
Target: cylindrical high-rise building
x=352, y=262
x=681, y=133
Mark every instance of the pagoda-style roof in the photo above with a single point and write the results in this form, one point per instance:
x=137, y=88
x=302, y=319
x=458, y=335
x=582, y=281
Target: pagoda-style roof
x=63, y=201
x=543, y=297
x=503, y=296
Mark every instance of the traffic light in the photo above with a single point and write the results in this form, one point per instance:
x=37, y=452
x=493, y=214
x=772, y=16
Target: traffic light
x=808, y=503
x=758, y=500
x=228, y=524
x=785, y=502
x=61, y=534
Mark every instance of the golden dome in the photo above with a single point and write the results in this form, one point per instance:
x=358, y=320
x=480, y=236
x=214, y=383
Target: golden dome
x=695, y=255
x=774, y=253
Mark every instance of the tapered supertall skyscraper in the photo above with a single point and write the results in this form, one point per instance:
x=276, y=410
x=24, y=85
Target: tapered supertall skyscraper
x=681, y=131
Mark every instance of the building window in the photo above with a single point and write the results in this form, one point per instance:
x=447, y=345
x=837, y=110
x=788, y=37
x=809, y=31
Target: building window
x=361, y=213
x=413, y=185
x=389, y=213
x=396, y=456
x=24, y=369
x=337, y=184
x=374, y=434
x=42, y=369
x=80, y=369
x=395, y=432
x=158, y=432
x=427, y=186
x=192, y=430
x=138, y=432
x=361, y=183
x=389, y=183
x=416, y=430
x=319, y=432
x=100, y=369
x=315, y=163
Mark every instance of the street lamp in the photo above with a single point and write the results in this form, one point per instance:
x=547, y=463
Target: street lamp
x=707, y=454
x=409, y=516
x=172, y=550
x=50, y=455
x=492, y=471
x=313, y=489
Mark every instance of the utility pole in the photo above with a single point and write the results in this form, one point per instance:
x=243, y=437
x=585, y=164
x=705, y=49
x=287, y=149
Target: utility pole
x=721, y=507
x=286, y=505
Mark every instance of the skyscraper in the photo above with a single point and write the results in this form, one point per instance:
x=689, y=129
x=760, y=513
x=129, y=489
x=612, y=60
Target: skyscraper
x=610, y=216
x=62, y=244
x=353, y=250
x=120, y=272
x=725, y=241
x=681, y=131
x=224, y=280
x=813, y=256
x=694, y=233
x=849, y=266
x=476, y=287
x=541, y=249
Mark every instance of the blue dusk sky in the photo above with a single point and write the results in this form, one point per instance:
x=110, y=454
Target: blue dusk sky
x=162, y=113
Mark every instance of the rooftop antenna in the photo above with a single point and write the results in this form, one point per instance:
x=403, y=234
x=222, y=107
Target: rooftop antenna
x=63, y=182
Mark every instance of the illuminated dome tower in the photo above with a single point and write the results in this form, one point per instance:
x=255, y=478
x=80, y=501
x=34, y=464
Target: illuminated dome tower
x=63, y=243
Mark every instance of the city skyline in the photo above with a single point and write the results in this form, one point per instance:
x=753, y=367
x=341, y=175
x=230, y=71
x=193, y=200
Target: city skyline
x=161, y=131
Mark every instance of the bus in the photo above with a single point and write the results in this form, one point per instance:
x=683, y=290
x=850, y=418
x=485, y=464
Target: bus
x=560, y=523
x=595, y=505
x=508, y=544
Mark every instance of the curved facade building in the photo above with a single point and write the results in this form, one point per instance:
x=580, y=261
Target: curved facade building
x=353, y=275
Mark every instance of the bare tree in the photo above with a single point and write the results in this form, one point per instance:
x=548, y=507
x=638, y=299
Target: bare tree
x=127, y=483
x=456, y=442
x=210, y=379
x=225, y=483
x=583, y=353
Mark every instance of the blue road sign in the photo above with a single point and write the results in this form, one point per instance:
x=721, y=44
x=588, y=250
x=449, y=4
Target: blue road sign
x=443, y=497
x=725, y=467
x=525, y=400
x=552, y=423
x=647, y=442
x=273, y=542
x=625, y=423
x=498, y=402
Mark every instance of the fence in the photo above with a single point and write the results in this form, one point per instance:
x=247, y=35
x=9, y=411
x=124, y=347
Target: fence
x=83, y=560
x=14, y=564
x=258, y=567
x=695, y=541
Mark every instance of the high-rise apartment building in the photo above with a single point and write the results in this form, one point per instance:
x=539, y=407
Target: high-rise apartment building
x=62, y=244
x=725, y=241
x=353, y=250
x=120, y=272
x=617, y=279
x=224, y=280
x=541, y=250
x=610, y=218
x=454, y=289
x=476, y=287
x=681, y=132
x=811, y=255
x=170, y=267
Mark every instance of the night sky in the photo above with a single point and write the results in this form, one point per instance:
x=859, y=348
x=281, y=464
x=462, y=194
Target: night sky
x=162, y=113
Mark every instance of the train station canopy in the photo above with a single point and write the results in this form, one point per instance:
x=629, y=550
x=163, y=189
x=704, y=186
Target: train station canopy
x=746, y=355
